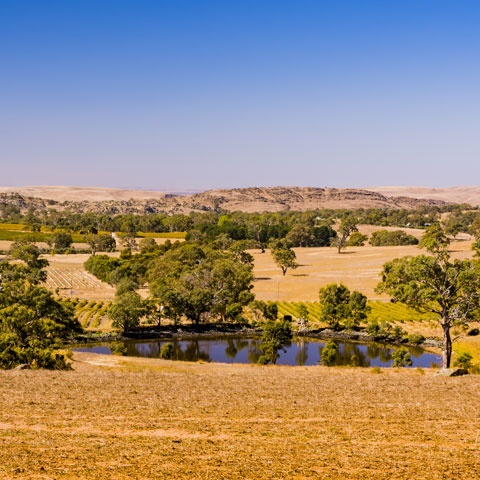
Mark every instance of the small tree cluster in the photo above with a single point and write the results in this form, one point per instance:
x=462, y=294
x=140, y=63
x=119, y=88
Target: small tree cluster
x=339, y=305
x=32, y=322
x=275, y=336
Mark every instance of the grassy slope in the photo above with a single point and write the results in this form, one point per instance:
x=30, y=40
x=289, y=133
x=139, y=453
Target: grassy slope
x=164, y=420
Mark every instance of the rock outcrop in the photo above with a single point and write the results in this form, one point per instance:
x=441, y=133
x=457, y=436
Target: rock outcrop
x=268, y=199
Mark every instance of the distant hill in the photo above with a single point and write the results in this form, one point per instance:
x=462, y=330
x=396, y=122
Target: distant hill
x=267, y=199
x=470, y=195
x=79, y=194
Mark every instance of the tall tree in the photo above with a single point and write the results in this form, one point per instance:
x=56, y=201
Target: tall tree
x=285, y=258
x=348, y=225
x=449, y=290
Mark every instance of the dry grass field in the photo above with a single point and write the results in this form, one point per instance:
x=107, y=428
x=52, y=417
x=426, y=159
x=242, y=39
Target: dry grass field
x=127, y=418
x=357, y=267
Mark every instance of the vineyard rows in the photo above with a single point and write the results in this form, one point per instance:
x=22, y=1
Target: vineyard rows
x=391, y=312
x=90, y=313
x=75, y=278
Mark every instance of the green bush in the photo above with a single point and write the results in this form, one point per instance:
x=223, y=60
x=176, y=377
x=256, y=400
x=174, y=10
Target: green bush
x=329, y=353
x=118, y=349
x=33, y=323
x=357, y=239
x=382, y=238
x=383, y=329
x=464, y=360
x=402, y=358
x=275, y=336
x=415, y=338
x=167, y=352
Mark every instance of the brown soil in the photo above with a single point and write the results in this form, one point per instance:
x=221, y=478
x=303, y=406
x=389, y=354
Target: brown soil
x=154, y=419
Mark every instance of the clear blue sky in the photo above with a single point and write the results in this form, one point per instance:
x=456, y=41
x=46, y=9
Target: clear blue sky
x=205, y=94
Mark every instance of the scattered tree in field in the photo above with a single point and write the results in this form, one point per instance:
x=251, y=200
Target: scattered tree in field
x=146, y=242
x=329, y=353
x=402, y=358
x=450, y=290
x=348, y=225
x=285, y=258
x=62, y=241
x=341, y=305
x=100, y=243
x=274, y=338
x=356, y=239
x=32, y=322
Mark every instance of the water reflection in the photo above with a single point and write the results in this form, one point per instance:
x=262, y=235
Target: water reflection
x=241, y=350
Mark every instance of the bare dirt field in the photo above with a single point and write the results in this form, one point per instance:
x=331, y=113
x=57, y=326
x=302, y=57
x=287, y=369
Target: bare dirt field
x=357, y=267
x=154, y=419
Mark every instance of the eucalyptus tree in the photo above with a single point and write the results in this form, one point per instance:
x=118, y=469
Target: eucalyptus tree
x=447, y=289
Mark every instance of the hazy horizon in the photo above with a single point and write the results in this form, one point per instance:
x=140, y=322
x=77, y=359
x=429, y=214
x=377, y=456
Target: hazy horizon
x=187, y=95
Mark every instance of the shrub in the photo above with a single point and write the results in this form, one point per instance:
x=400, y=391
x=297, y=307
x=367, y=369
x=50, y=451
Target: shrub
x=401, y=358
x=463, y=360
x=473, y=332
x=376, y=370
x=329, y=353
x=357, y=239
x=382, y=330
x=387, y=238
x=398, y=332
x=275, y=336
x=415, y=338
x=167, y=351
x=118, y=349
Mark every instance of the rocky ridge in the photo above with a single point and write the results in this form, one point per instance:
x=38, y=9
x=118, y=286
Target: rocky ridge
x=255, y=199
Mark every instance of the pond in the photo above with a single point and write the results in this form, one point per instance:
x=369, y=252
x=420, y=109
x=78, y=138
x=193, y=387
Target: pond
x=246, y=350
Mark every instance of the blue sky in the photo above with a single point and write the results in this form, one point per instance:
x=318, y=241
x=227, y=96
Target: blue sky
x=210, y=94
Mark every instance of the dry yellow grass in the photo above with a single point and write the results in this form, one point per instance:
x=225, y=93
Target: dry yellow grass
x=153, y=419
x=357, y=267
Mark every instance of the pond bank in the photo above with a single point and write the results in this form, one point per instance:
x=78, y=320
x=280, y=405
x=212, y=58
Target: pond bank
x=215, y=330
